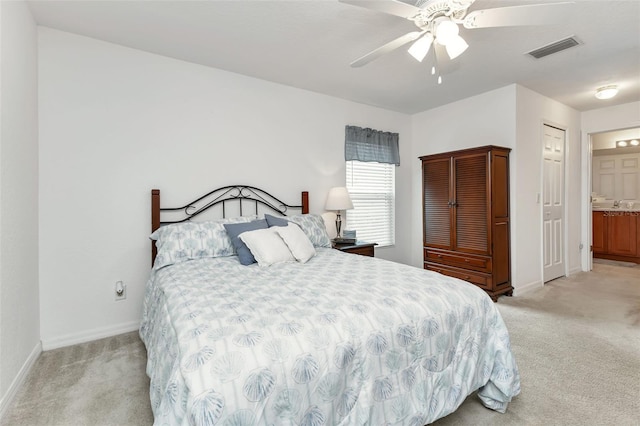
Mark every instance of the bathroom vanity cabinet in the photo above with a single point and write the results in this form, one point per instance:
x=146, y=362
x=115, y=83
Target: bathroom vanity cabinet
x=616, y=235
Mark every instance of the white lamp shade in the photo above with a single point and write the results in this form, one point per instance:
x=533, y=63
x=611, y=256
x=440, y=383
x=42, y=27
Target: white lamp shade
x=420, y=48
x=456, y=46
x=338, y=199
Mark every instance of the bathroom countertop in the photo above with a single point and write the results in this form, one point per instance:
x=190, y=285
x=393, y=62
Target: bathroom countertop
x=616, y=209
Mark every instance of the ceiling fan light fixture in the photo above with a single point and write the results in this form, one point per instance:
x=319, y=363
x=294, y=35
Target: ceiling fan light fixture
x=421, y=47
x=607, y=92
x=446, y=31
x=441, y=19
x=456, y=47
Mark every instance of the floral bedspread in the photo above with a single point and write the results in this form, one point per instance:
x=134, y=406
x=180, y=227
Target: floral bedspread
x=341, y=340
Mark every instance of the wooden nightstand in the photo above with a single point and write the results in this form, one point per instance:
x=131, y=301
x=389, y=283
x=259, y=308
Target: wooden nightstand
x=360, y=247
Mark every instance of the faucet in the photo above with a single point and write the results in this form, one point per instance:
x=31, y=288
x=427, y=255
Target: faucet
x=616, y=204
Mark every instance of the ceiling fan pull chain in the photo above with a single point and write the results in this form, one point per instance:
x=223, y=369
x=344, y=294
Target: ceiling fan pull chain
x=435, y=67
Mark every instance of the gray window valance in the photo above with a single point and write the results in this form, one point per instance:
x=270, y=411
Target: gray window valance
x=371, y=145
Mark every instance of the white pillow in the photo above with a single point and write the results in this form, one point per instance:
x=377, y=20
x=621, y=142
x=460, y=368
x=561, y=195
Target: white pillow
x=267, y=246
x=297, y=241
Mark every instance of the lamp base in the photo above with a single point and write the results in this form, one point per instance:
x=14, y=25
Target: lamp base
x=338, y=224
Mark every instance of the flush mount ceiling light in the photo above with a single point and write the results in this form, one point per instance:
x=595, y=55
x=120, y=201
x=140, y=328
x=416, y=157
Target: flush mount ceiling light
x=607, y=92
x=628, y=142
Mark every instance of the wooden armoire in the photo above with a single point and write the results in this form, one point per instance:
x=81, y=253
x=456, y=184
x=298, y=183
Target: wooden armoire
x=466, y=216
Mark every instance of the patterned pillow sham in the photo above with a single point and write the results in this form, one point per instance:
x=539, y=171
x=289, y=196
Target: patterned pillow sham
x=180, y=242
x=313, y=226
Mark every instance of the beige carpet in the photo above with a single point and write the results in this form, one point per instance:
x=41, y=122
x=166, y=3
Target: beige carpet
x=576, y=341
x=96, y=383
x=577, y=344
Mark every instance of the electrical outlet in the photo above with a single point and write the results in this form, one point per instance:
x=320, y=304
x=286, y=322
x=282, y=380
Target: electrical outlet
x=121, y=290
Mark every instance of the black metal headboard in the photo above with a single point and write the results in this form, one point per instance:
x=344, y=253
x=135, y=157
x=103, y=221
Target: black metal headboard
x=240, y=195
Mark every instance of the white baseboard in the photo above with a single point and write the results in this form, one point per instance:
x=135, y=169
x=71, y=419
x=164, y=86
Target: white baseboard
x=527, y=288
x=575, y=270
x=87, y=336
x=7, y=398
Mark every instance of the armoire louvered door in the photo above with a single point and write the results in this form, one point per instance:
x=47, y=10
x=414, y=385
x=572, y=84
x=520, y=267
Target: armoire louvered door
x=436, y=203
x=470, y=204
x=466, y=216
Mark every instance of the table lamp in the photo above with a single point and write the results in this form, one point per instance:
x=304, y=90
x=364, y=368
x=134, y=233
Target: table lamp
x=338, y=199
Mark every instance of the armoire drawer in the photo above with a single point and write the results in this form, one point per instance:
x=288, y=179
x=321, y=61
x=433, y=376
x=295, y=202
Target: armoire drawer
x=465, y=261
x=479, y=279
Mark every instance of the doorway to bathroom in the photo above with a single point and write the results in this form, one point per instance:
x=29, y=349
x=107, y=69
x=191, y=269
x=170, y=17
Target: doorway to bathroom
x=615, y=195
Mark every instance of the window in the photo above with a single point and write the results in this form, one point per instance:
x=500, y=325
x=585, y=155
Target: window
x=372, y=189
x=371, y=157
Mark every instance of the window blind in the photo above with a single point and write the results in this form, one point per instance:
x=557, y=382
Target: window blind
x=372, y=189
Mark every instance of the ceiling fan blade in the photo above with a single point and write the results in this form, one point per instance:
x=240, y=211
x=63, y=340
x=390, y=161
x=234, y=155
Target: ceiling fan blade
x=392, y=7
x=531, y=14
x=392, y=45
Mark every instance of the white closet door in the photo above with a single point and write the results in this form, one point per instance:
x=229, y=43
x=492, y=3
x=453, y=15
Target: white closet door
x=553, y=203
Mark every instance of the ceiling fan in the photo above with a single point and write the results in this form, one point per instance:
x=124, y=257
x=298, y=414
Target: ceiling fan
x=438, y=20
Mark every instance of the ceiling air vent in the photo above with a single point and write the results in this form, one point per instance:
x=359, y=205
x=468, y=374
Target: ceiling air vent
x=555, y=47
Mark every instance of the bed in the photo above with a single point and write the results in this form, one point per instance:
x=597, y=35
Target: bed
x=341, y=339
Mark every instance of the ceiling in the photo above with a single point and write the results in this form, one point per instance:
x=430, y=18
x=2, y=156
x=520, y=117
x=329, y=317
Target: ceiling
x=309, y=44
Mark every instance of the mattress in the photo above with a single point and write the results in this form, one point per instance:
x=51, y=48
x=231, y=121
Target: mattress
x=340, y=340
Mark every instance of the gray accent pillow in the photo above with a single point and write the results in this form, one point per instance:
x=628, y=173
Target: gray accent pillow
x=235, y=229
x=276, y=221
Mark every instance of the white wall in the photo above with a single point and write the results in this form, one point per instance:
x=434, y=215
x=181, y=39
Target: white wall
x=511, y=117
x=599, y=120
x=534, y=110
x=117, y=122
x=607, y=140
x=19, y=310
